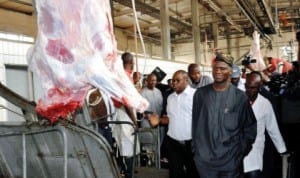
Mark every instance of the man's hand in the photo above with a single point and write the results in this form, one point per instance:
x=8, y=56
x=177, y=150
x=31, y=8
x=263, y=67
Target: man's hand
x=164, y=120
x=153, y=120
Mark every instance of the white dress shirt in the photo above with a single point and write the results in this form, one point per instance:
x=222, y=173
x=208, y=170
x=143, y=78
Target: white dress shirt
x=179, y=111
x=266, y=119
x=241, y=84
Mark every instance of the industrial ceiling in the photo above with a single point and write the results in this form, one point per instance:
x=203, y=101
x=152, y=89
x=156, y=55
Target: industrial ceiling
x=234, y=18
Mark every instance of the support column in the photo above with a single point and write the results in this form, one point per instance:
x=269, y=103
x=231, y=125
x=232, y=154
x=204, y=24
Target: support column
x=237, y=44
x=196, y=30
x=215, y=32
x=165, y=30
x=228, y=40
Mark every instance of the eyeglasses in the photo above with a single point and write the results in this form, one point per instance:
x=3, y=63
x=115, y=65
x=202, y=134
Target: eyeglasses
x=176, y=80
x=252, y=87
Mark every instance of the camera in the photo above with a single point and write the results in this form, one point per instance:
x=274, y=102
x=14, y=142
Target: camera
x=148, y=112
x=247, y=60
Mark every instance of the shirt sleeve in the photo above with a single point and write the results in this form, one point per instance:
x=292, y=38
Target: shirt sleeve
x=273, y=130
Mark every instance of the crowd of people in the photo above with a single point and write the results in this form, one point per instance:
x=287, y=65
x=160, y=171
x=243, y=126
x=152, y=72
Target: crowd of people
x=209, y=127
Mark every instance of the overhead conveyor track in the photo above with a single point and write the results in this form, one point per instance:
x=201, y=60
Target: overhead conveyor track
x=249, y=12
x=263, y=6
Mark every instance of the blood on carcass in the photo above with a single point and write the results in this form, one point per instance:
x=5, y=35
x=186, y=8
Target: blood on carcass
x=57, y=50
x=76, y=49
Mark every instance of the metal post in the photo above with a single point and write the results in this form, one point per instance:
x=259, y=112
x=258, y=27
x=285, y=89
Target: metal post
x=24, y=155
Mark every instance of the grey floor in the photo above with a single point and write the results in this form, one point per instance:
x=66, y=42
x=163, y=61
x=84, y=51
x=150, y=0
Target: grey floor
x=149, y=172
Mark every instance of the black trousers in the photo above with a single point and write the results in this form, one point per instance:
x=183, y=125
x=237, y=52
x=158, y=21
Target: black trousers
x=208, y=173
x=126, y=166
x=253, y=174
x=180, y=157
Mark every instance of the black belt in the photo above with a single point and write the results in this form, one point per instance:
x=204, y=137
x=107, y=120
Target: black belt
x=181, y=142
x=184, y=142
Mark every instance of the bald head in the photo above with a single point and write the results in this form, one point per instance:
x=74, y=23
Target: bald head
x=151, y=81
x=192, y=66
x=182, y=73
x=253, y=84
x=255, y=77
x=180, y=81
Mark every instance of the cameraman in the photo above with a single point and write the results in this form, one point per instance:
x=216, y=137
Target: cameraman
x=278, y=66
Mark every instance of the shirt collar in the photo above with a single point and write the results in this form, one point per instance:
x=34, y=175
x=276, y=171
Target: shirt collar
x=185, y=91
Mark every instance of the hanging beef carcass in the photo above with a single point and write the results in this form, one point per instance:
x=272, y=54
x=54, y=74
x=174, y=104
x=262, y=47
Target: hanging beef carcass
x=255, y=53
x=74, y=50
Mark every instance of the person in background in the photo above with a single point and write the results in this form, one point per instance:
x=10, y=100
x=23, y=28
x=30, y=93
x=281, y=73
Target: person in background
x=144, y=81
x=123, y=133
x=266, y=120
x=197, y=80
x=236, y=79
x=153, y=112
x=278, y=66
x=179, y=119
x=153, y=96
x=169, y=82
x=223, y=125
x=137, y=81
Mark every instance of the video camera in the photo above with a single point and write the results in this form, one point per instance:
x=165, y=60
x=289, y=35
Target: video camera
x=247, y=60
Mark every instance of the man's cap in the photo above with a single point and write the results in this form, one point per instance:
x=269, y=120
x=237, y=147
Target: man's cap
x=228, y=59
x=236, y=71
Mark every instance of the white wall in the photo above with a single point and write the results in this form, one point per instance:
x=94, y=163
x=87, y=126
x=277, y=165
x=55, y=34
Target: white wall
x=146, y=66
x=13, y=53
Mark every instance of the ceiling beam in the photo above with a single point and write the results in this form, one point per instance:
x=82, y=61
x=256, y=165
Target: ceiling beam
x=155, y=13
x=21, y=2
x=122, y=12
x=263, y=6
x=17, y=22
x=221, y=13
x=248, y=12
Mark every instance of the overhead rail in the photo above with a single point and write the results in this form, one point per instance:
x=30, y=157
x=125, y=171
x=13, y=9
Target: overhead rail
x=221, y=13
x=155, y=13
x=249, y=12
x=263, y=6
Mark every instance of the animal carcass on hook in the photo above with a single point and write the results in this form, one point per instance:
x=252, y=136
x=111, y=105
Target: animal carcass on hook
x=255, y=53
x=74, y=50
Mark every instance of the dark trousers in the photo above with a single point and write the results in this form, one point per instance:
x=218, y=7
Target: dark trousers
x=105, y=131
x=208, y=173
x=181, y=162
x=253, y=174
x=127, y=166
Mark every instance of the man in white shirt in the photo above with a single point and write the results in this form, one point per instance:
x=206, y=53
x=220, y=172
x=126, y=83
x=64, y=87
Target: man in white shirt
x=179, y=112
x=266, y=120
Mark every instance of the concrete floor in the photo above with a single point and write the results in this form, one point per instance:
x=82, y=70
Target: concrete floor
x=149, y=172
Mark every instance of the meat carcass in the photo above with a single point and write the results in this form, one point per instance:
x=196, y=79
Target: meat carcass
x=255, y=53
x=75, y=49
